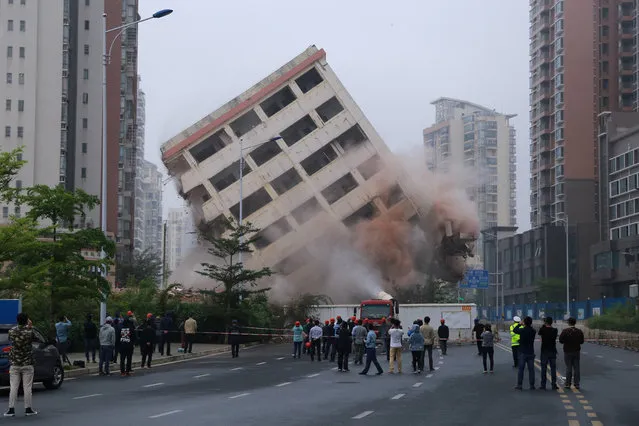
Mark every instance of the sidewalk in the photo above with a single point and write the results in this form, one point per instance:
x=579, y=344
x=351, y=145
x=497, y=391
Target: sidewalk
x=198, y=351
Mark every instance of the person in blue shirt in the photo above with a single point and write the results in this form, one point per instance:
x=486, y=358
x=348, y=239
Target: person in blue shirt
x=62, y=337
x=371, y=355
x=298, y=339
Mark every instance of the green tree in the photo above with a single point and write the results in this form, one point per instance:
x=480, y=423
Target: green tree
x=229, y=272
x=10, y=164
x=551, y=289
x=146, y=265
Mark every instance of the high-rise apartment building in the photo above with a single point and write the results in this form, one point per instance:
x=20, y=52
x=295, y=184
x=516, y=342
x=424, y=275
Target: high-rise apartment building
x=50, y=62
x=181, y=237
x=484, y=142
x=148, y=191
x=582, y=62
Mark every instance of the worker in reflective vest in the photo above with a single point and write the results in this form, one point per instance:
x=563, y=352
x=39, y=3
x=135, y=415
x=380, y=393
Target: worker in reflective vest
x=514, y=339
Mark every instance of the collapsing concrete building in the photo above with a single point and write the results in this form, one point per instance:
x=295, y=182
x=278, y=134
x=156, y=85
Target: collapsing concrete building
x=314, y=167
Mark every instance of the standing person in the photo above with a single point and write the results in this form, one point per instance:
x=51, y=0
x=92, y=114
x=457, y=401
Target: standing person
x=383, y=333
x=166, y=326
x=416, y=346
x=62, y=337
x=548, y=335
x=127, y=342
x=514, y=341
x=315, y=338
x=190, y=328
x=307, y=329
x=336, y=328
x=572, y=338
x=147, y=340
x=298, y=339
x=429, y=339
x=371, y=356
x=107, y=343
x=395, y=333
x=526, y=352
x=21, y=370
x=359, y=337
x=478, y=330
x=117, y=349
x=90, y=338
x=443, y=333
x=487, y=348
x=234, y=338
x=326, y=335
x=344, y=344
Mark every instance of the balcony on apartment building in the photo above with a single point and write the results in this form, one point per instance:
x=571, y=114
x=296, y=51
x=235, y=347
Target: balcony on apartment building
x=627, y=66
x=626, y=29
x=626, y=11
x=627, y=85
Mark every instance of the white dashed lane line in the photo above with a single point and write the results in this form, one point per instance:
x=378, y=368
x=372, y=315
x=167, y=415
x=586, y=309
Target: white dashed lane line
x=240, y=395
x=283, y=384
x=281, y=358
x=261, y=363
x=436, y=368
x=237, y=368
x=313, y=375
x=418, y=384
x=201, y=375
x=334, y=368
x=440, y=362
x=619, y=361
x=152, y=385
x=599, y=356
x=398, y=396
x=168, y=413
x=362, y=415
x=93, y=395
x=428, y=376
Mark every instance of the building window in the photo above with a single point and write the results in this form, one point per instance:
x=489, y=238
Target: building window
x=5, y=212
x=86, y=49
x=23, y=26
x=16, y=211
x=21, y=78
x=18, y=184
x=306, y=211
x=309, y=80
x=245, y=123
x=22, y=52
x=286, y=181
x=209, y=146
x=272, y=233
x=7, y=105
x=7, y=131
x=252, y=203
x=329, y=109
x=19, y=156
x=10, y=25
x=9, y=51
x=20, y=132
x=294, y=262
x=9, y=78
x=23, y=2
x=84, y=147
x=318, y=160
x=87, y=2
x=339, y=188
x=229, y=175
x=85, y=98
x=265, y=152
x=83, y=172
x=366, y=212
x=85, y=74
x=351, y=138
x=278, y=101
x=20, y=105
x=85, y=123
x=298, y=130
x=10, y=1
x=86, y=25
x=370, y=167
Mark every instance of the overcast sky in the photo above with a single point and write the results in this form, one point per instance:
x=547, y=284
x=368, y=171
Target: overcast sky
x=394, y=60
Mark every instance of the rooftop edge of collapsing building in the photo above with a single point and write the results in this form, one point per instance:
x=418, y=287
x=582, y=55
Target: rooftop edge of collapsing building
x=248, y=97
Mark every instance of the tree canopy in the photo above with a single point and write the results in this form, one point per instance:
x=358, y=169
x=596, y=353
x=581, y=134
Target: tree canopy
x=146, y=265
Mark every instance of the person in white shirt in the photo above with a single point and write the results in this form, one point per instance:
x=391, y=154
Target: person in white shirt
x=315, y=339
x=396, y=334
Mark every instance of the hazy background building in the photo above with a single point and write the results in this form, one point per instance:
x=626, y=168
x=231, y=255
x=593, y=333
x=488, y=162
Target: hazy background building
x=483, y=142
x=181, y=237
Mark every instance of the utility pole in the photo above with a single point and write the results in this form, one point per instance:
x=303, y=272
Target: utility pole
x=165, y=276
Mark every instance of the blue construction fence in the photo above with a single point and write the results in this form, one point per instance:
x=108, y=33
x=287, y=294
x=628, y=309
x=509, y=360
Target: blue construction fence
x=580, y=310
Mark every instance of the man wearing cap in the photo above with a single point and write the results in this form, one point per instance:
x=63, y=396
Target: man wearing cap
x=514, y=339
x=443, y=333
x=107, y=343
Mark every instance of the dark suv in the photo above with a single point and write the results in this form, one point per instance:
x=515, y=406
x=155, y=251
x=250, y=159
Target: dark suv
x=48, y=368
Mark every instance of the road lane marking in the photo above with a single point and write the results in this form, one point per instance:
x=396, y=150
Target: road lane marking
x=283, y=384
x=313, y=375
x=428, y=376
x=591, y=414
x=571, y=414
x=596, y=423
x=201, y=375
x=93, y=395
x=569, y=407
x=237, y=368
x=573, y=423
x=75, y=378
x=585, y=353
x=436, y=368
x=362, y=415
x=580, y=396
x=418, y=384
x=583, y=401
x=398, y=396
x=168, y=413
x=599, y=356
x=152, y=385
x=240, y=395
x=618, y=360
x=261, y=363
x=280, y=358
x=334, y=368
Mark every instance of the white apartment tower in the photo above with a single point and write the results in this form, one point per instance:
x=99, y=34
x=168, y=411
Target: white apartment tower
x=325, y=168
x=181, y=237
x=482, y=140
x=51, y=87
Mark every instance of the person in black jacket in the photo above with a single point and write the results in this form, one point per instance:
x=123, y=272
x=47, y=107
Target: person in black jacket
x=90, y=338
x=526, y=352
x=147, y=340
x=548, y=335
x=166, y=326
x=234, y=338
x=344, y=343
x=478, y=330
x=327, y=332
x=443, y=334
x=127, y=342
x=117, y=349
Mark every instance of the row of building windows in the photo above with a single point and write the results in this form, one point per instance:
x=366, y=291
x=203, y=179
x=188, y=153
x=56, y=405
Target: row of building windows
x=523, y=252
x=624, y=185
x=623, y=161
x=624, y=231
x=525, y=277
x=21, y=52
x=16, y=212
x=23, y=25
x=9, y=78
x=623, y=209
x=8, y=105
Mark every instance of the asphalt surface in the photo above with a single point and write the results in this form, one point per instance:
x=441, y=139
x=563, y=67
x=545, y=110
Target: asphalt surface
x=265, y=386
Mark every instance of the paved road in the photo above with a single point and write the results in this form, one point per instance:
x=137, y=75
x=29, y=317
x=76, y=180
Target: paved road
x=264, y=386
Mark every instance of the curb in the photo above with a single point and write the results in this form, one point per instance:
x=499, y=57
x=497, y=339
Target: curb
x=164, y=360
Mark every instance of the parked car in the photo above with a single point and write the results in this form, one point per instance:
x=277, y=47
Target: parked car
x=48, y=368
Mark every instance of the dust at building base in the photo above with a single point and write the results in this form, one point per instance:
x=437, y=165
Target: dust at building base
x=339, y=213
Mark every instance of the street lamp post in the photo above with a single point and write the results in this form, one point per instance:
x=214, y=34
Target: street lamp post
x=498, y=308
x=106, y=55
x=565, y=222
